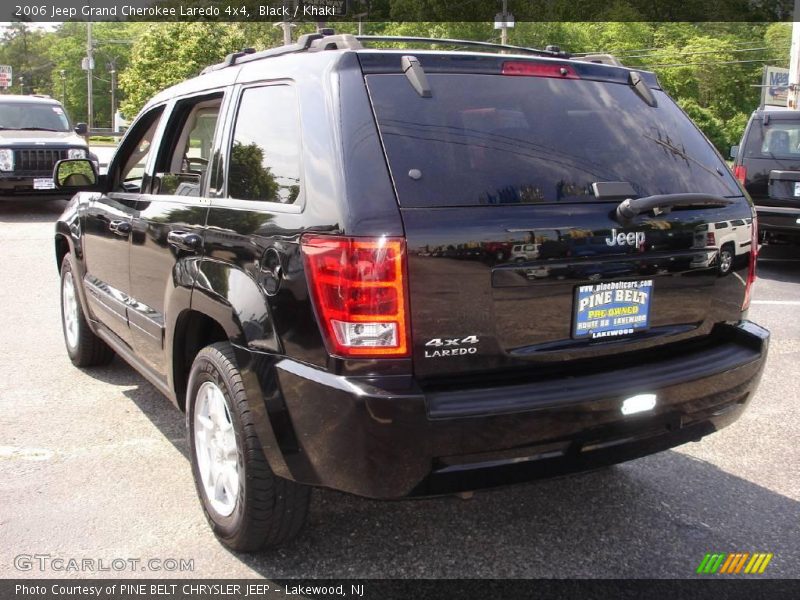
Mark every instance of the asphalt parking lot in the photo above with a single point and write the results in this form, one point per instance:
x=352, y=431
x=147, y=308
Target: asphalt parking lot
x=93, y=464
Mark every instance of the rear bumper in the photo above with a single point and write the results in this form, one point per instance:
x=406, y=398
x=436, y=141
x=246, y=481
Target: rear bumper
x=777, y=220
x=388, y=438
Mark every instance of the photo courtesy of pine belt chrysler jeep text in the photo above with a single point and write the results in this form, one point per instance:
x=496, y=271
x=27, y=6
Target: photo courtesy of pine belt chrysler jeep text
x=403, y=273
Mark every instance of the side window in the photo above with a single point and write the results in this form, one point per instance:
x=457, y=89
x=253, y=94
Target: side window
x=188, y=143
x=264, y=161
x=134, y=154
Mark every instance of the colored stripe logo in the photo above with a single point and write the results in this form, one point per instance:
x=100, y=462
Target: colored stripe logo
x=734, y=563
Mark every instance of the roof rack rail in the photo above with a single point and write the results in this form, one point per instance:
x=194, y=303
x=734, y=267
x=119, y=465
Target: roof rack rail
x=328, y=40
x=601, y=59
x=304, y=42
x=456, y=42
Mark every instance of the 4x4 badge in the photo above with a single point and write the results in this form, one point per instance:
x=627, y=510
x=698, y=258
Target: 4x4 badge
x=451, y=346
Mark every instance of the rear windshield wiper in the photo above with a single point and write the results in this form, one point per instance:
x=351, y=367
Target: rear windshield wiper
x=662, y=203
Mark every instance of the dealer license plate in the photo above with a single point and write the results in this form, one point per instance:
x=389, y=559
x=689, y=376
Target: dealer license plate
x=44, y=183
x=611, y=309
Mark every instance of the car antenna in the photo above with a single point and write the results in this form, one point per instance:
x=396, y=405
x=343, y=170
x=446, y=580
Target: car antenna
x=416, y=75
x=641, y=88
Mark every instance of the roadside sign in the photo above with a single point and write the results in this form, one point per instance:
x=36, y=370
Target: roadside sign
x=503, y=20
x=6, y=76
x=775, y=86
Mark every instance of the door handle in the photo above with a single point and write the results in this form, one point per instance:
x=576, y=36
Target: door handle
x=184, y=240
x=121, y=228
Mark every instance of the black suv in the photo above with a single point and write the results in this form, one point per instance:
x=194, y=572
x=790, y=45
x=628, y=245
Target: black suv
x=311, y=250
x=767, y=163
x=35, y=133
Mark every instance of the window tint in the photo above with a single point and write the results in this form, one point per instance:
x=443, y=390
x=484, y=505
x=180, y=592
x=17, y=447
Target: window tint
x=264, y=162
x=183, y=162
x=490, y=139
x=779, y=139
x=137, y=149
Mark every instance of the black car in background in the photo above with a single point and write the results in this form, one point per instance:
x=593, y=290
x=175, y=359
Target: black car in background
x=35, y=133
x=310, y=250
x=767, y=163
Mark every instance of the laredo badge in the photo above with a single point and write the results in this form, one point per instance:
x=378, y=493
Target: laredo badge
x=451, y=346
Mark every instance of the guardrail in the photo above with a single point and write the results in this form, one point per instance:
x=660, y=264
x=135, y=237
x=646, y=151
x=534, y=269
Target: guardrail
x=98, y=131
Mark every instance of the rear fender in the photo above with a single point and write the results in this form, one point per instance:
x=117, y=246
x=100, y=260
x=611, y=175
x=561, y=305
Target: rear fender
x=232, y=297
x=229, y=296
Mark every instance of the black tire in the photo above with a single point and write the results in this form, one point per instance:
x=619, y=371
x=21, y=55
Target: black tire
x=269, y=510
x=86, y=349
x=727, y=256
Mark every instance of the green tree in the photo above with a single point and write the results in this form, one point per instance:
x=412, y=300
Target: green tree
x=168, y=53
x=248, y=179
x=66, y=48
x=709, y=124
x=23, y=48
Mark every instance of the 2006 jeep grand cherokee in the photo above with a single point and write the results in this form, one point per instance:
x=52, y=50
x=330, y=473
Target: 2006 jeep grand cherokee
x=310, y=250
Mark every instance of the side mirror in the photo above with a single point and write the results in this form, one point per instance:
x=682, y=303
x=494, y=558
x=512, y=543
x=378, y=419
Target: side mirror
x=82, y=129
x=734, y=151
x=75, y=174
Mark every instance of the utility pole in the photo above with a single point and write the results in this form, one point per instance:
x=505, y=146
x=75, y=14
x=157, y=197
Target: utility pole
x=287, y=31
x=63, y=74
x=113, y=70
x=287, y=26
x=793, y=97
x=360, y=17
x=89, y=69
x=504, y=21
x=504, y=28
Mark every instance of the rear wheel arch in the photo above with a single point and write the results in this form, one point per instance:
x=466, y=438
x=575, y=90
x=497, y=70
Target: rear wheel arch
x=193, y=331
x=62, y=249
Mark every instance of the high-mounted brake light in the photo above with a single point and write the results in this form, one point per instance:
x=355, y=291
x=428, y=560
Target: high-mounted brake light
x=536, y=69
x=740, y=172
x=358, y=288
x=751, y=273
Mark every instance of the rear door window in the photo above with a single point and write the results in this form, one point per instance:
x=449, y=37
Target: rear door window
x=492, y=139
x=265, y=151
x=186, y=152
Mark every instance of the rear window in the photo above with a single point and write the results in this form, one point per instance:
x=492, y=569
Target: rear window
x=490, y=139
x=778, y=139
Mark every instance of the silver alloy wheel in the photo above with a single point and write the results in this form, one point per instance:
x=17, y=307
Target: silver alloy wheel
x=69, y=304
x=215, y=449
x=725, y=260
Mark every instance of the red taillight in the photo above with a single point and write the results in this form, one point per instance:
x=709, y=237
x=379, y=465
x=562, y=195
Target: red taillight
x=751, y=273
x=534, y=69
x=711, y=239
x=740, y=172
x=358, y=288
